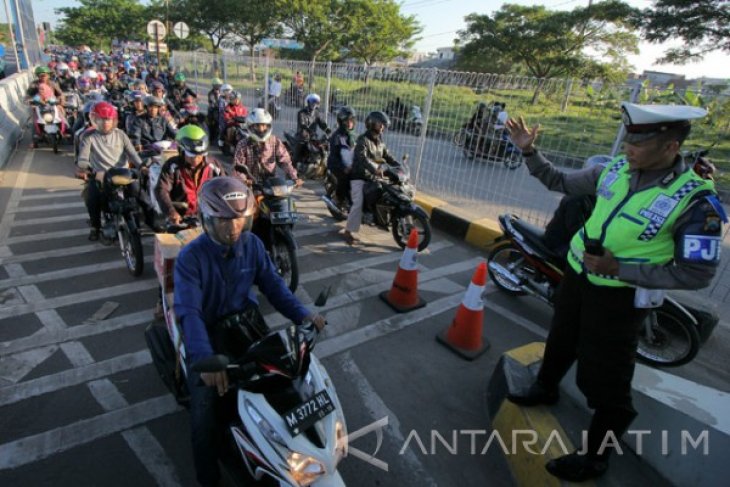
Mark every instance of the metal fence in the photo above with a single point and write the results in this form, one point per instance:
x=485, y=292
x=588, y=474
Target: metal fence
x=577, y=119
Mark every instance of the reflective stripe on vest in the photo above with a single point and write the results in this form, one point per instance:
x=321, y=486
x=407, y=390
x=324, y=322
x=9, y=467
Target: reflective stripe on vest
x=635, y=226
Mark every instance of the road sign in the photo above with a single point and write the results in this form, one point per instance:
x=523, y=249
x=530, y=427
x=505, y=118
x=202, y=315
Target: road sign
x=152, y=46
x=156, y=29
x=181, y=30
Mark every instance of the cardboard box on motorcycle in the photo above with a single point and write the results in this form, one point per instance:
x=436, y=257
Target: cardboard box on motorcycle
x=167, y=247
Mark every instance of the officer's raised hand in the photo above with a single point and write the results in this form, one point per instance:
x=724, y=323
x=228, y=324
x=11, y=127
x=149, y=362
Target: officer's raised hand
x=522, y=136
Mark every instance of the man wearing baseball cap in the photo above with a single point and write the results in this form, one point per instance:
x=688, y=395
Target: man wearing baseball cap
x=656, y=225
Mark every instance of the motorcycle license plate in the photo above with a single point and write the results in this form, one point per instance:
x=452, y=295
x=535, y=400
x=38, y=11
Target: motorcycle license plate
x=283, y=215
x=306, y=414
x=50, y=129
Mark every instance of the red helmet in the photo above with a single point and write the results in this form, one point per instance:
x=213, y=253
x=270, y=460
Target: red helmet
x=104, y=110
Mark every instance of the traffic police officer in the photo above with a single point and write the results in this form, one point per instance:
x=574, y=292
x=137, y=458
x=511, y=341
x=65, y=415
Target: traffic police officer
x=656, y=225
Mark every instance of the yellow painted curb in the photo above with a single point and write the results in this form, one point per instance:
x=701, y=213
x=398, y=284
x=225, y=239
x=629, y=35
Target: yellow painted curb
x=428, y=203
x=528, y=354
x=483, y=232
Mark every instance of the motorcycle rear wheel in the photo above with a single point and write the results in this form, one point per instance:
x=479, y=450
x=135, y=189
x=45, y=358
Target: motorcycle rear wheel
x=668, y=338
x=131, y=245
x=508, y=256
x=401, y=228
x=284, y=255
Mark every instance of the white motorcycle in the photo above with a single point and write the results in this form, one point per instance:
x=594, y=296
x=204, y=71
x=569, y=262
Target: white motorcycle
x=48, y=119
x=288, y=427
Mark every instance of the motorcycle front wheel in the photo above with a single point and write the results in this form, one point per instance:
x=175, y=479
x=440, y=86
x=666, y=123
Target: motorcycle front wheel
x=284, y=255
x=402, y=225
x=509, y=257
x=131, y=246
x=667, y=338
x=56, y=139
x=512, y=160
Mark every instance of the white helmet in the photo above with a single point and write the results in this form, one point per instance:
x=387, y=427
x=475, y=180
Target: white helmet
x=61, y=67
x=226, y=88
x=91, y=74
x=258, y=116
x=312, y=99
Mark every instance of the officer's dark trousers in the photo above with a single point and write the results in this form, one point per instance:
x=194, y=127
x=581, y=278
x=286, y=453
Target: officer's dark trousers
x=599, y=327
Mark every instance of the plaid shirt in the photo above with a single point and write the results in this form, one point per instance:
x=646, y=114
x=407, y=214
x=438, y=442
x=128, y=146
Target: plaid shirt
x=261, y=159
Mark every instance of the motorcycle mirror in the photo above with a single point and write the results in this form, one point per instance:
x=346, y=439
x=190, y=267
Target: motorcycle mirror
x=216, y=363
x=323, y=297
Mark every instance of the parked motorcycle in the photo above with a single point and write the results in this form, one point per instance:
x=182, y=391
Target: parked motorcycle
x=48, y=120
x=287, y=425
x=479, y=147
x=314, y=164
x=120, y=216
x=520, y=264
x=390, y=202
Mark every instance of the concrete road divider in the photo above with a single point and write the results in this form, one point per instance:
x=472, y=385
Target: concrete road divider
x=14, y=113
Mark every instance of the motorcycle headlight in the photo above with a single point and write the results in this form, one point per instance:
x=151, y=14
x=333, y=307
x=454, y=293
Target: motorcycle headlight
x=281, y=190
x=305, y=470
x=48, y=117
x=264, y=425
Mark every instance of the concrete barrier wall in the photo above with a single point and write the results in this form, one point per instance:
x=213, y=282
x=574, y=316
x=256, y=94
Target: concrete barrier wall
x=14, y=113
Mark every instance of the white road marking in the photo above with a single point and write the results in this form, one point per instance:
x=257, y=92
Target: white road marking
x=48, y=208
x=72, y=377
x=42, y=445
x=77, y=354
x=54, y=194
x=47, y=220
x=377, y=408
x=8, y=218
x=76, y=232
x=14, y=367
x=23, y=279
x=514, y=317
x=153, y=456
x=50, y=254
x=50, y=337
x=77, y=298
x=100, y=314
x=13, y=270
x=379, y=329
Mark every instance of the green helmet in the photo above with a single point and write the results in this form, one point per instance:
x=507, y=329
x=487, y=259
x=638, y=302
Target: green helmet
x=42, y=70
x=193, y=140
x=179, y=78
x=217, y=82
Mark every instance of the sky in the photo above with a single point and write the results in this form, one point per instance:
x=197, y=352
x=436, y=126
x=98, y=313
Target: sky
x=441, y=19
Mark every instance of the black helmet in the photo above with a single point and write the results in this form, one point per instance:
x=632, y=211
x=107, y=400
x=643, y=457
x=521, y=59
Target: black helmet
x=482, y=105
x=344, y=114
x=376, y=117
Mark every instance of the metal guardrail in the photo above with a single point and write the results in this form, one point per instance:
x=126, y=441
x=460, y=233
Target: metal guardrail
x=578, y=119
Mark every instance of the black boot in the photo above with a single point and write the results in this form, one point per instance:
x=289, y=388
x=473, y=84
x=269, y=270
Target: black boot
x=537, y=394
x=577, y=468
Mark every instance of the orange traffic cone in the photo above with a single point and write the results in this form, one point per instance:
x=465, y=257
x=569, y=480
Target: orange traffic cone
x=403, y=295
x=464, y=336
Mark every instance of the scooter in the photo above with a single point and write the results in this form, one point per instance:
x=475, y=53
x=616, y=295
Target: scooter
x=520, y=264
x=390, y=202
x=48, y=122
x=273, y=106
x=287, y=425
x=476, y=147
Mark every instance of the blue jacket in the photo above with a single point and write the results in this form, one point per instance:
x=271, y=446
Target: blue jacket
x=209, y=286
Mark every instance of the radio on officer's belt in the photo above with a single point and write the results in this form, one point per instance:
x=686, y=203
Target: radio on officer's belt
x=593, y=246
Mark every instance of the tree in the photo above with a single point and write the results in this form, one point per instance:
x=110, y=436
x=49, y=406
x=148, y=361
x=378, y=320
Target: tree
x=320, y=25
x=97, y=22
x=380, y=32
x=545, y=44
x=702, y=25
x=212, y=20
x=254, y=22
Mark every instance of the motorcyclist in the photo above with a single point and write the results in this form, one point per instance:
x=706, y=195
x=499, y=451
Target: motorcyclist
x=151, y=127
x=101, y=149
x=213, y=111
x=64, y=78
x=342, y=149
x=137, y=109
x=398, y=111
x=214, y=279
x=308, y=120
x=114, y=84
x=180, y=90
x=169, y=111
x=152, y=77
x=183, y=175
x=368, y=163
x=261, y=152
x=42, y=90
x=235, y=108
x=226, y=91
